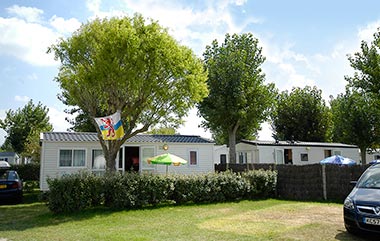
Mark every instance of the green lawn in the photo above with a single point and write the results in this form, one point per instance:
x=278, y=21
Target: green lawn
x=245, y=220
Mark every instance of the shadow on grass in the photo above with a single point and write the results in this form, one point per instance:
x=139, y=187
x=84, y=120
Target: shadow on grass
x=25, y=216
x=344, y=235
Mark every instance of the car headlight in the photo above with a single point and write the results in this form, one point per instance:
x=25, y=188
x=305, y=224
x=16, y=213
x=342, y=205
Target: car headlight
x=349, y=204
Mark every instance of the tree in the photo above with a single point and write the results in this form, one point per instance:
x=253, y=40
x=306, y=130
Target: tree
x=302, y=115
x=366, y=79
x=367, y=66
x=23, y=128
x=356, y=120
x=163, y=131
x=238, y=97
x=132, y=66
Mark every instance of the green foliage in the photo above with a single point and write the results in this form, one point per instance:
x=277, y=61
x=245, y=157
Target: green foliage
x=363, y=95
x=28, y=172
x=302, y=115
x=238, y=96
x=129, y=65
x=129, y=191
x=356, y=120
x=367, y=66
x=163, y=131
x=75, y=192
x=262, y=184
x=23, y=127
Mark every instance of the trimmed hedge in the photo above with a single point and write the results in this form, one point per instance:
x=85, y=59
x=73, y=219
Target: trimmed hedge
x=28, y=172
x=84, y=190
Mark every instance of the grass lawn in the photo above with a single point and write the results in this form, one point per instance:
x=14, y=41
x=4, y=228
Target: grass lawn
x=245, y=220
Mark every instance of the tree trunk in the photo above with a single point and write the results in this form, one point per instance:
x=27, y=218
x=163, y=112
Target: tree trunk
x=363, y=154
x=232, y=143
x=110, y=150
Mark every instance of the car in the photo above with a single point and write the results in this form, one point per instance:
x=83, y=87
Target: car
x=361, y=208
x=10, y=184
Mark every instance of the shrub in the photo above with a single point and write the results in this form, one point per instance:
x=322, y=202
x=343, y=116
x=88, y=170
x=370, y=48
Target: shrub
x=74, y=192
x=28, y=172
x=132, y=190
x=262, y=183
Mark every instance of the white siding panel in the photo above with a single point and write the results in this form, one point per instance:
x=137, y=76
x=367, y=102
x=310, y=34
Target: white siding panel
x=50, y=155
x=50, y=159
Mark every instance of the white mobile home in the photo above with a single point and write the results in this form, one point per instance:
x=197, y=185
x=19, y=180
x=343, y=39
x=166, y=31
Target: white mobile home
x=221, y=154
x=292, y=152
x=10, y=157
x=69, y=152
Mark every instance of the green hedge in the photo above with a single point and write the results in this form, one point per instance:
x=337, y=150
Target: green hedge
x=28, y=172
x=129, y=191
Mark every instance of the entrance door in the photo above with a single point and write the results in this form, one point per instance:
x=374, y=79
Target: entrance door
x=146, y=152
x=288, y=156
x=131, y=158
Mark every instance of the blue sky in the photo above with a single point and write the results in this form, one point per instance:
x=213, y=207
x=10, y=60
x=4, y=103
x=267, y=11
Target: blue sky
x=304, y=42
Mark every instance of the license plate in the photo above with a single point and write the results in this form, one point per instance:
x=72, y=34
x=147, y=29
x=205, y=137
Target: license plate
x=3, y=186
x=372, y=221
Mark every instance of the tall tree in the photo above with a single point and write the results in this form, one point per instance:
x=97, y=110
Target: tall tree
x=356, y=120
x=367, y=67
x=238, y=96
x=23, y=127
x=366, y=79
x=129, y=65
x=301, y=115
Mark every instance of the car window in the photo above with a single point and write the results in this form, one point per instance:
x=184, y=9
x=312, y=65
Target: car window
x=3, y=175
x=9, y=175
x=370, y=178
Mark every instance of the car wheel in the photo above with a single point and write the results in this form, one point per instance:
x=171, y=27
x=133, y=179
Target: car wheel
x=352, y=230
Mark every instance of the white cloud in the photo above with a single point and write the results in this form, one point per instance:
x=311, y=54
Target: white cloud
x=191, y=125
x=29, y=14
x=192, y=27
x=64, y=26
x=26, y=41
x=24, y=98
x=58, y=119
x=366, y=33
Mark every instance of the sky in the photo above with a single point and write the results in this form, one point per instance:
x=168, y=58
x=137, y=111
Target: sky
x=304, y=42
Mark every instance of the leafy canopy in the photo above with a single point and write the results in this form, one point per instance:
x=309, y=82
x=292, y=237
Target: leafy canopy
x=129, y=65
x=238, y=96
x=301, y=115
x=356, y=120
x=23, y=127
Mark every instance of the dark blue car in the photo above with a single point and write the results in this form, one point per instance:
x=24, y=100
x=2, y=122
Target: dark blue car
x=362, y=205
x=10, y=184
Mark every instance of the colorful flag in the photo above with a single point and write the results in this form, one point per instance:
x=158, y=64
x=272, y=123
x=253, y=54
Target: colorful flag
x=111, y=126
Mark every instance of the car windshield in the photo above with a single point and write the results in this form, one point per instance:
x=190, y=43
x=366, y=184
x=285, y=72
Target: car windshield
x=371, y=178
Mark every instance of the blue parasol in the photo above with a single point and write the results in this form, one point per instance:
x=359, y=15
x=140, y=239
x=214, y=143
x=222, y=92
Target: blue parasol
x=338, y=160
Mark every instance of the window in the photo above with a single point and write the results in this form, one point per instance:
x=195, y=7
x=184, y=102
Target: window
x=193, y=158
x=337, y=153
x=304, y=157
x=72, y=158
x=223, y=158
x=243, y=157
x=98, y=160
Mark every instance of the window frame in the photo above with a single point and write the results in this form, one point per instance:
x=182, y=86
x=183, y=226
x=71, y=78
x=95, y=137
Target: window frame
x=72, y=157
x=304, y=154
x=196, y=157
x=92, y=160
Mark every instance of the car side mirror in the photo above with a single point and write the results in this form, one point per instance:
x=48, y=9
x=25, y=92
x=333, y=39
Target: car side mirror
x=353, y=183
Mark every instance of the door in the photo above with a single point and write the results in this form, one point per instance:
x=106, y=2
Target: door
x=146, y=152
x=131, y=158
x=279, y=156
